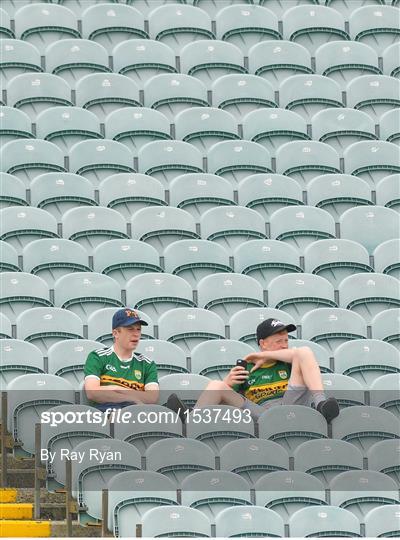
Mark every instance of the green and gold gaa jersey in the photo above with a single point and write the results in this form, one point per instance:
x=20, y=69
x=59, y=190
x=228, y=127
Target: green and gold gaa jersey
x=268, y=382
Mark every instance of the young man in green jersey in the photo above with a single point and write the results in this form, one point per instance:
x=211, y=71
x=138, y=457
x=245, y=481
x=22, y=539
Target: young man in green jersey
x=118, y=376
x=275, y=375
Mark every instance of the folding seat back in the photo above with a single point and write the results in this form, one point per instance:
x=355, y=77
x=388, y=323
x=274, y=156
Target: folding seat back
x=18, y=358
x=347, y=391
x=170, y=520
x=9, y=258
x=5, y=28
x=13, y=192
x=14, y=124
x=169, y=357
x=5, y=327
x=377, y=26
x=384, y=392
x=279, y=7
x=391, y=64
x=372, y=160
x=67, y=359
x=383, y=457
x=214, y=7
x=385, y=326
x=146, y=6
x=17, y=57
x=387, y=258
x=249, y=521
x=21, y=291
x=373, y=94
x=79, y=6
x=188, y=387
x=324, y=521
x=215, y=358
x=383, y=521
x=389, y=126
x=99, y=327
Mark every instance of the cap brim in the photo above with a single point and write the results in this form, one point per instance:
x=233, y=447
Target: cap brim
x=134, y=321
x=288, y=327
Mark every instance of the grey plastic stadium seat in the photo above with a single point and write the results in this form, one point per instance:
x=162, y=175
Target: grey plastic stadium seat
x=18, y=357
x=213, y=7
x=67, y=359
x=188, y=387
x=288, y=491
x=78, y=6
x=311, y=26
x=14, y=124
x=27, y=158
x=5, y=327
x=383, y=521
x=252, y=458
x=136, y=126
x=141, y=59
x=155, y=293
x=387, y=258
x=296, y=294
x=245, y=26
x=390, y=126
x=132, y=493
x=372, y=160
x=342, y=61
x=226, y=293
x=363, y=426
x=165, y=160
x=373, y=94
x=35, y=92
x=110, y=25
x=66, y=126
x=377, y=26
x=385, y=326
x=44, y=326
x=266, y=259
x=279, y=7
x=215, y=358
x=145, y=6
x=29, y=396
x=213, y=491
x=240, y=94
x=12, y=191
x=383, y=457
x=252, y=521
x=320, y=353
x=391, y=63
x=175, y=521
x=187, y=327
x=5, y=25
x=51, y=258
x=42, y=25
x=331, y=327
x=275, y=61
x=337, y=193
x=346, y=7
x=309, y=94
x=85, y=292
x=99, y=326
x=17, y=57
x=361, y=491
x=347, y=391
x=384, y=392
x=88, y=478
x=369, y=226
x=169, y=357
x=58, y=192
x=177, y=25
x=177, y=458
x=324, y=521
x=9, y=258
x=195, y=259
x=301, y=225
x=96, y=160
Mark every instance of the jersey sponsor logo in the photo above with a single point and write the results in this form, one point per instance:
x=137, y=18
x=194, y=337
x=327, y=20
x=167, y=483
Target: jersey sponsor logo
x=120, y=381
x=111, y=368
x=266, y=377
x=261, y=393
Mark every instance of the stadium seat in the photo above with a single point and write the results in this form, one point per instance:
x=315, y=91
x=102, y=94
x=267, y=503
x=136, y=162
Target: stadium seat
x=337, y=193
x=385, y=326
x=42, y=25
x=213, y=7
x=141, y=59
x=58, y=192
x=372, y=160
x=12, y=191
x=389, y=124
x=347, y=391
x=17, y=57
x=85, y=292
x=324, y=521
x=195, y=259
x=177, y=25
x=312, y=26
x=377, y=26
x=111, y=25
x=235, y=160
x=175, y=521
x=145, y=6
x=44, y=326
x=383, y=457
x=169, y=357
x=215, y=358
x=296, y=294
x=241, y=94
x=299, y=226
x=391, y=63
x=27, y=158
x=65, y=126
x=165, y=160
x=35, y=92
x=369, y=226
x=288, y=491
x=280, y=6
x=51, y=258
x=230, y=226
x=188, y=387
x=5, y=327
x=14, y=124
x=156, y=293
x=373, y=94
x=331, y=327
x=342, y=62
x=18, y=358
x=67, y=359
x=245, y=26
x=309, y=94
x=252, y=458
x=99, y=326
x=96, y=160
x=5, y=25
x=275, y=61
x=346, y=7
x=78, y=6
x=303, y=161
x=187, y=327
x=214, y=491
x=136, y=126
x=383, y=521
x=274, y=127
x=9, y=258
x=387, y=258
x=103, y=94
x=248, y=521
x=363, y=426
x=384, y=391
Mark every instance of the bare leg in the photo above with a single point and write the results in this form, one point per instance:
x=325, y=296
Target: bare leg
x=217, y=393
x=305, y=370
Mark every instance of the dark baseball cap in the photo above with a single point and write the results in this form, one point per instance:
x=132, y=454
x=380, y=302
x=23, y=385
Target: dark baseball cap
x=126, y=317
x=272, y=326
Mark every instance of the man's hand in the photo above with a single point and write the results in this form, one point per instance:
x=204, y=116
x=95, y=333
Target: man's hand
x=256, y=358
x=237, y=375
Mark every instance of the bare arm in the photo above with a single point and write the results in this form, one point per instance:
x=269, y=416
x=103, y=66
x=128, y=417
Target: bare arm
x=117, y=394
x=259, y=357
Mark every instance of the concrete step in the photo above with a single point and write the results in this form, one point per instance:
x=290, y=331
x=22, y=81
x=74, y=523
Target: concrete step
x=8, y=495
x=16, y=511
x=19, y=529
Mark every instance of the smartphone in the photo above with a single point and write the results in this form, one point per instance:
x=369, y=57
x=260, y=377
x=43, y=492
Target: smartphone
x=241, y=362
